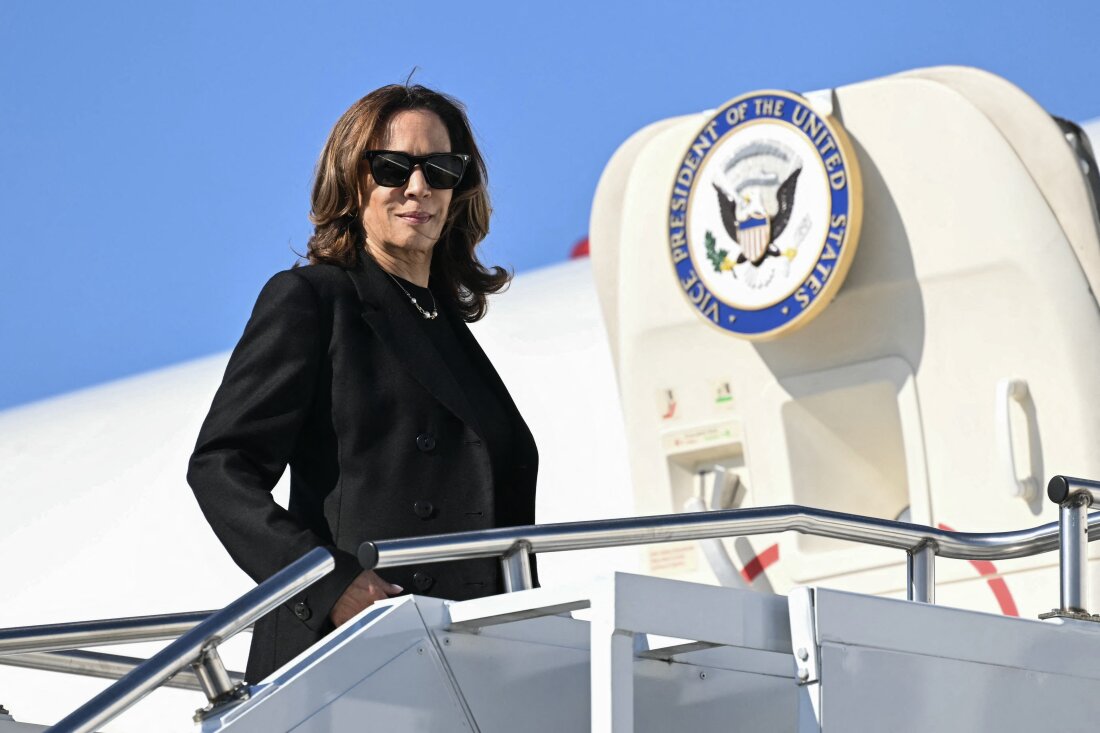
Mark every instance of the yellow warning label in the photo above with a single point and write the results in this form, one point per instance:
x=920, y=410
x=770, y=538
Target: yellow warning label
x=700, y=437
x=674, y=558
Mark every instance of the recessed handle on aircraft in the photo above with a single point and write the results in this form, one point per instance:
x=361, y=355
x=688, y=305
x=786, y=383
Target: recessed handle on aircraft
x=727, y=492
x=1009, y=391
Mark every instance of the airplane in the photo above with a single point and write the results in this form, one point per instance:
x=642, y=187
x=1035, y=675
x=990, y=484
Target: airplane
x=944, y=382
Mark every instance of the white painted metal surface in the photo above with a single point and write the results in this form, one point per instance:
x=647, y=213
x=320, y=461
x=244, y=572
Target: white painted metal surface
x=821, y=660
x=888, y=403
x=897, y=666
x=510, y=663
x=8, y=724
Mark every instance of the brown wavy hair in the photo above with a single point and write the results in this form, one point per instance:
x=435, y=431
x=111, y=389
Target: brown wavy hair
x=338, y=237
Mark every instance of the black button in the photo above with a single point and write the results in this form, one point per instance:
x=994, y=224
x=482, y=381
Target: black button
x=301, y=610
x=424, y=509
x=423, y=581
x=425, y=442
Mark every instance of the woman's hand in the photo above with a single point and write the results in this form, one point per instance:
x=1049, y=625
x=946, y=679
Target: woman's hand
x=363, y=591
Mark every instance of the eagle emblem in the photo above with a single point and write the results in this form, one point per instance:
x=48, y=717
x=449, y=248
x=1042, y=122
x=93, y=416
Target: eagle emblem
x=751, y=226
x=755, y=198
x=769, y=249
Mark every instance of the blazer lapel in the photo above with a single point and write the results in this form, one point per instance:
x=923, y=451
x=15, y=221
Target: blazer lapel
x=481, y=360
x=394, y=321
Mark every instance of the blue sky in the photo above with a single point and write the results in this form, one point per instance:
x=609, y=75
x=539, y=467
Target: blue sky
x=155, y=158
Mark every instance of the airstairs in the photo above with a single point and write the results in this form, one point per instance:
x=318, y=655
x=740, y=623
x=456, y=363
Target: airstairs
x=978, y=277
x=816, y=660
x=634, y=653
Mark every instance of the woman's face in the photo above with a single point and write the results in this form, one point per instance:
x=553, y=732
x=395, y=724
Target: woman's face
x=406, y=221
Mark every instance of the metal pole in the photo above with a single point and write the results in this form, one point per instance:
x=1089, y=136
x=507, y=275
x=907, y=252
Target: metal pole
x=921, y=566
x=244, y=611
x=611, y=672
x=1061, y=488
x=706, y=525
x=97, y=664
x=1074, y=530
x=516, y=565
x=611, y=665
x=59, y=637
x=213, y=676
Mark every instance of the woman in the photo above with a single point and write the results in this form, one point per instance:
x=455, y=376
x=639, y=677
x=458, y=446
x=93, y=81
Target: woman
x=360, y=373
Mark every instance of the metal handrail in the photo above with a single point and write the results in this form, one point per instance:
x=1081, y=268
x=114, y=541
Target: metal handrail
x=715, y=524
x=101, y=632
x=198, y=643
x=514, y=545
x=1061, y=489
x=97, y=664
x=1073, y=496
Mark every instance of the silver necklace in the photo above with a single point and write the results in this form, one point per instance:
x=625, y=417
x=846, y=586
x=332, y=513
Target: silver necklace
x=428, y=315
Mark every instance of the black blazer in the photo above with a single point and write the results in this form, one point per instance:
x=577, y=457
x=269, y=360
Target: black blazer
x=335, y=377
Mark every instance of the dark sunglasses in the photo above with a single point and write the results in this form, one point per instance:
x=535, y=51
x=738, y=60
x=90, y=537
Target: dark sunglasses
x=391, y=168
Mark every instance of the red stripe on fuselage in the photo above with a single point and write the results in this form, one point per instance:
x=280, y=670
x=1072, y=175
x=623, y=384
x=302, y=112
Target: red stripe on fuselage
x=998, y=585
x=760, y=563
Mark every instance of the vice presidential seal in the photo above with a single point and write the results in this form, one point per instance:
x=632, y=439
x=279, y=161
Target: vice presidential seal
x=765, y=213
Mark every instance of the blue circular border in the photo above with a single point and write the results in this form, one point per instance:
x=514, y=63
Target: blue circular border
x=771, y=318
